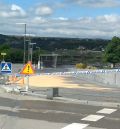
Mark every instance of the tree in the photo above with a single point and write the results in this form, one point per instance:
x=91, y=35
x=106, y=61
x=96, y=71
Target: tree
x=15, y=55
x=112, y=51
x=4, y=47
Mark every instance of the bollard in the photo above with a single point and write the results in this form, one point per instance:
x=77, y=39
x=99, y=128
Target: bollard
x=55, y=92
x=52, y=92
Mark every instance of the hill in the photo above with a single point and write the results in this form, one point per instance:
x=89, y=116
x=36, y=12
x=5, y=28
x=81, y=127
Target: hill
x=50, y=44
x=70, y=50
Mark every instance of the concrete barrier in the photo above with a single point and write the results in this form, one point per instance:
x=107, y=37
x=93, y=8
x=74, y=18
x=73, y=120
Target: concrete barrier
x=52, y=92
x=104, y=76
x=111, y=78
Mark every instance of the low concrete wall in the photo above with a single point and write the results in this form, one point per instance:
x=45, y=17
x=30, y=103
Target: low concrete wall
x=102, y=76
x=107, y=78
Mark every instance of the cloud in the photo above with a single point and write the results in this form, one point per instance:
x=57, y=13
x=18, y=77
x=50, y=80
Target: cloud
x=18, y=9
x=8, y=11
x=109, y=18
x=61, y=18
x=39, y=20
x=105, y=26
x=43, y=10
x=40, y=24
x=96, y=3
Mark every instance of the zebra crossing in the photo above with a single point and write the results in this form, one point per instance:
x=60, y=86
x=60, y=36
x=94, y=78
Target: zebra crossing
x=91, y=118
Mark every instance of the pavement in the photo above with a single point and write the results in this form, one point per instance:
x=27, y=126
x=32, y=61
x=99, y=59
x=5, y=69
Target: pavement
x=28, y=112
x=79, y=105
x=74, y=88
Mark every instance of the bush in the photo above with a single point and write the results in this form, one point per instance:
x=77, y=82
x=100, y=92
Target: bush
x=91, y=67
x=81, y=66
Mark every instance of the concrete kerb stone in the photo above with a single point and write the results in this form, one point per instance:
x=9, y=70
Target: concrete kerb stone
x=70, y=100
x=73, y=101
x=30, y=93
x=86, y=102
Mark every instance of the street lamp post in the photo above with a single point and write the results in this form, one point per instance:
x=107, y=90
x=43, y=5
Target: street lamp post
x=24, y=45
x=31, y=49
x=39, y=61
x=24, y=56
x=29, y=41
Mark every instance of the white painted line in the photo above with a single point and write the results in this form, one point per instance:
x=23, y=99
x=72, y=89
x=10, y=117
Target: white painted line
x=93, y=118
x=107, y=111
x=76, y=126
x=89, y=127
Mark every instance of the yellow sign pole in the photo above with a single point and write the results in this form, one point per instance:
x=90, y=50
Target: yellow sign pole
x=27, y=85
x=27, y=70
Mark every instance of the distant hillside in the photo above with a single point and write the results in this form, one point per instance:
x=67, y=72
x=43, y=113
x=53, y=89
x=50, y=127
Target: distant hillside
x=51, y=44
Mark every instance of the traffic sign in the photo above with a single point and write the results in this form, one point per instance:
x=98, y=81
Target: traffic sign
x=3, y=54
x=6, y=67
x=28, y=69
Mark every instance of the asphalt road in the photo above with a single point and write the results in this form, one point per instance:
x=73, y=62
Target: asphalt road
x=91, y=91
x=92, y=95
x=26, y=112
x=88, y=91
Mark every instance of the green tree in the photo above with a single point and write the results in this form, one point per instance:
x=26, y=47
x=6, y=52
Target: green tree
x=15, y=55
x=4, y=47
x=112, y=51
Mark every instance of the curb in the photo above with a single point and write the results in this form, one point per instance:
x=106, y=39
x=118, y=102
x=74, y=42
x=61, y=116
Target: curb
x=87, y=102
x=74, y=101
x=63, y=99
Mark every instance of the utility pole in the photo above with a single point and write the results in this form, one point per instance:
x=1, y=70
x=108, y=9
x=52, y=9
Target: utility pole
x=24, y=54
x=39, y=61
x=31, y=50
x=24, y=45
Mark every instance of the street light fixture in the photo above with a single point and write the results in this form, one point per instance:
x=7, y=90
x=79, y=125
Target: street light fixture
x=24, y=57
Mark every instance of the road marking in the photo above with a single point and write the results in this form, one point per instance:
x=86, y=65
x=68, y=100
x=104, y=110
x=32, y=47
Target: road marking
x=93, y=118
x=106, y=111
x=76, y=126
x=94, y=128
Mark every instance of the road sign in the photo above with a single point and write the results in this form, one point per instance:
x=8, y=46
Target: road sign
x=28, y=69
x=3, y=54
x=6, y=67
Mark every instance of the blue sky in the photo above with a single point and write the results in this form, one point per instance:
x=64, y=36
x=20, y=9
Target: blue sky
x=62, y=18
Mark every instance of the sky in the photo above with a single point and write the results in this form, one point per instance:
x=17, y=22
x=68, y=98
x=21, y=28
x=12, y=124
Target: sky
x=61, y=18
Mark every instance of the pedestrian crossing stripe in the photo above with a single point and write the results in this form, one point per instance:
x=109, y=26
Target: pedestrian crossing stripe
x=107, y=111
x=6, y=68
x=76, y=126
x=28, y=69
x=93, y=118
